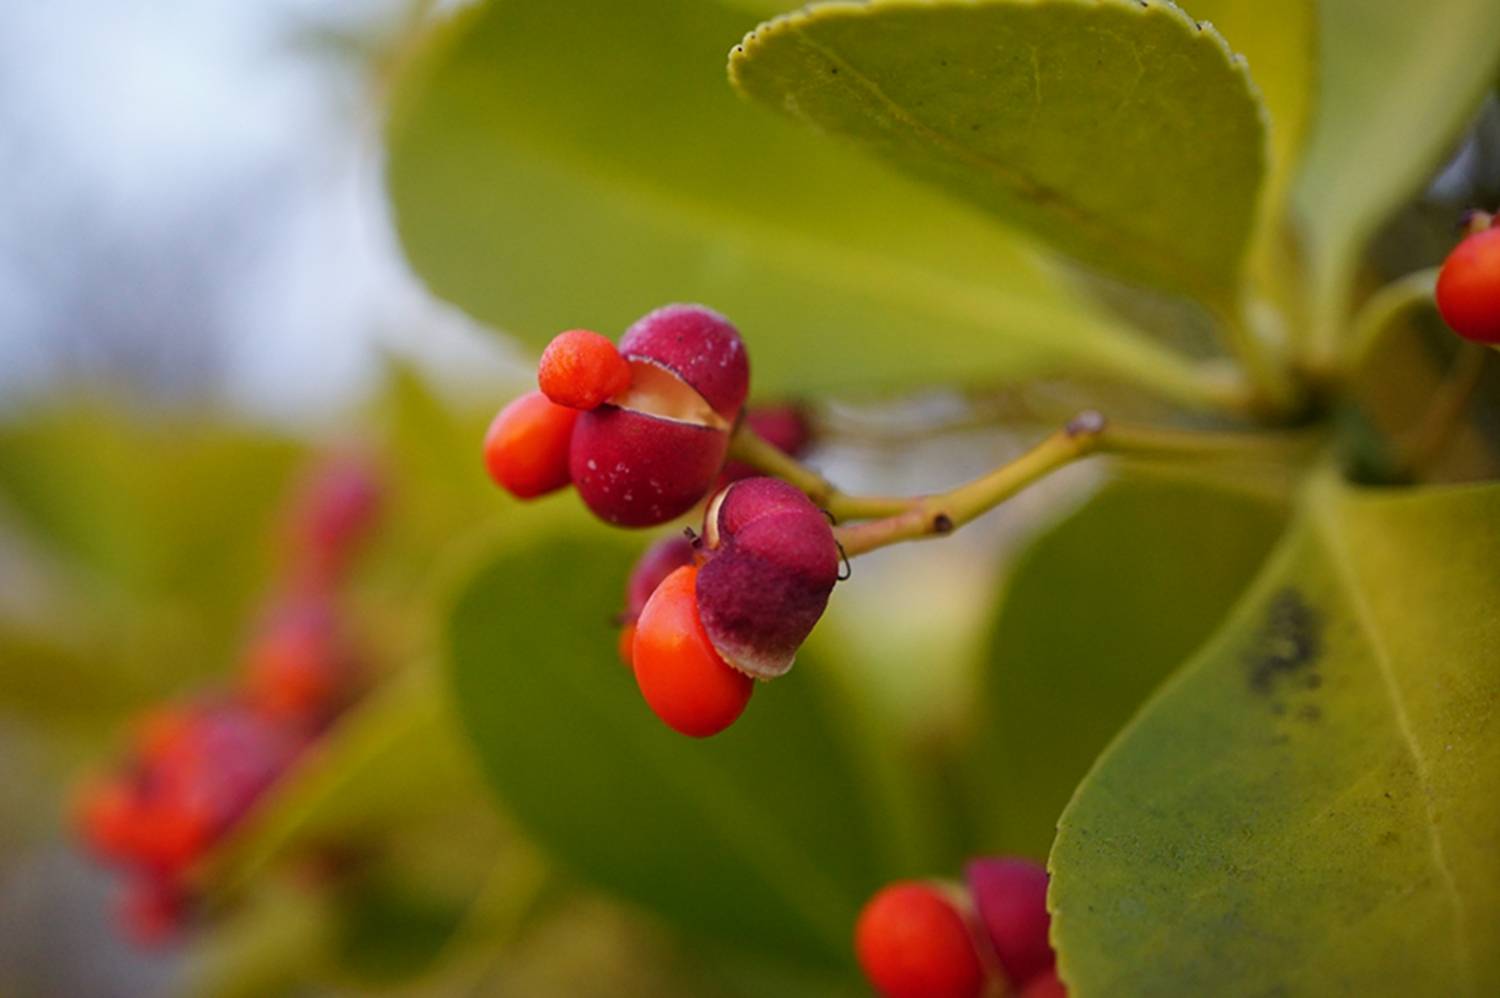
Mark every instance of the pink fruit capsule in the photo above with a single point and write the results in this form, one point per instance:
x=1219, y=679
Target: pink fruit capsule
x=772, y=562
x=699, y=346
x=1010, y=896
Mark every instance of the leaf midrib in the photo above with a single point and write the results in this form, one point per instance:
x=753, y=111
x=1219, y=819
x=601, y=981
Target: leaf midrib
x=1125, y=242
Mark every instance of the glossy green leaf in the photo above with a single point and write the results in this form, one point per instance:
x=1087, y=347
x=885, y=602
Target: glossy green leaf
x=1399, y=81
x=762, y=837
x=1082, y=637
x=1118, y=130
x=1312, y=806
x=557, y=165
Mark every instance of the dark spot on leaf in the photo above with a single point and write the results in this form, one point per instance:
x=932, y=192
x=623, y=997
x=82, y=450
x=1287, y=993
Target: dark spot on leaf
x=1311, y=713
x=1313, y=681
x=1289, y=640
x=834, y=70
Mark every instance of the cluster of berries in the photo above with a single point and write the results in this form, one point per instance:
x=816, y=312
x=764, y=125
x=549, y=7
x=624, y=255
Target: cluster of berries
x=937, y=940
x=1468, y=286
x=642, y=431
x=194, y=769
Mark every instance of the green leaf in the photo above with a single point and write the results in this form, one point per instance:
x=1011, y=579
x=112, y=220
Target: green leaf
x=557, y=165
x=390, y=930
x=762, y=838
x=1118, y=130
x=1278, y=40
x=1399, y=82
x=1081, y=638
x=62, y=682
x=1312, y=805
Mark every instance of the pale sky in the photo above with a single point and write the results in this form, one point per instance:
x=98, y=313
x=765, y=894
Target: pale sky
x=178, y=165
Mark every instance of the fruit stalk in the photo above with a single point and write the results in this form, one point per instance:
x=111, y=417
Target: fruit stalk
x=890, y=520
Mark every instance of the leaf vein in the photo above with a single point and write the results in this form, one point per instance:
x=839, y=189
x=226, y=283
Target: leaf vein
x=1124, y=241
x=1343, y=560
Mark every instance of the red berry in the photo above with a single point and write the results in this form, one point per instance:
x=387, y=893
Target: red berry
x=652, y=453
x=912, y=942
x=105, y=817
x=770, y=566
x=684, y=680
x=296, y=669
x=197, y=777
x=1468, y=287
x=1010, y=896
x=152, y=911
x=526, y=447
x=332, y=515
x=655, y=564
x=581, y=370
x=1045, y=985
x=625, y=645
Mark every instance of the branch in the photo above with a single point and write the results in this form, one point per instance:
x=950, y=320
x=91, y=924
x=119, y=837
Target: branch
x=889, y=520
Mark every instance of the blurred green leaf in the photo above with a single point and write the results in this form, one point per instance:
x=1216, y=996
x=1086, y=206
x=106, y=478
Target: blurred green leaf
x=1096, y=613
x=763, y=837
x=145, y=505
x=390, y=930
x=146, y=546
x=1119, y=131
x=434, y=453
x=1399, y=82
x=557, y=165
x=1279, y=41
x=59, y=681
x=1312, y=805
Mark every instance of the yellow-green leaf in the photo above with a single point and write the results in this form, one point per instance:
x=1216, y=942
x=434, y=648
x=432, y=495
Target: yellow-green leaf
x=558, y=165
x=763, y=838
x=1313, y=805
x=1080, y=641
x=1399, y=81
x=1118, y=130
x=1278, y=40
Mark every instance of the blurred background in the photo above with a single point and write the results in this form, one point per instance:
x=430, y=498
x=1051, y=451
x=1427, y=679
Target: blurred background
x=200, y=291
x=193, y=210
x=203, y=303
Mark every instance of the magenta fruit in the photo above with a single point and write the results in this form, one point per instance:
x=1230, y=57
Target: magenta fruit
x=1010, y=896
x=655, y=564
x=653, y=452
x=697, y=345
x=771, y=564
